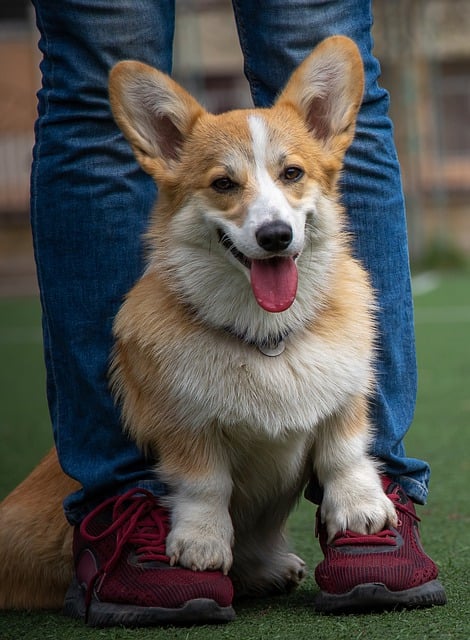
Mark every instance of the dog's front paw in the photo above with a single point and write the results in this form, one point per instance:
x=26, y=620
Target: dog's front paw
x=365, y=511
x=199, y=552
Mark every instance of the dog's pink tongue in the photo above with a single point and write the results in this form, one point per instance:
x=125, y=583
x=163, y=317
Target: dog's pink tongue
x=274, y=283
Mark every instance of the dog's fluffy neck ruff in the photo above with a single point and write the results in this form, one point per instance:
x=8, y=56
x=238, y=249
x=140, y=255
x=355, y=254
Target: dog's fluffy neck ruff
x=189, y=257
x=265, y=336
x=233, y=309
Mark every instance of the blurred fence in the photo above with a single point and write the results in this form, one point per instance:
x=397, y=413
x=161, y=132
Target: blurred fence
x=15, y=163
x=424, y=49
x=19, y=77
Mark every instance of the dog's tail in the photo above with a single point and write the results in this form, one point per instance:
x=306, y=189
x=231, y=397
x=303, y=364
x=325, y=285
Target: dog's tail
x=36, y=540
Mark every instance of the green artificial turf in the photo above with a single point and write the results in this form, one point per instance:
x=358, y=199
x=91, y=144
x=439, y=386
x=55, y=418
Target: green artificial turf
x=440, y=434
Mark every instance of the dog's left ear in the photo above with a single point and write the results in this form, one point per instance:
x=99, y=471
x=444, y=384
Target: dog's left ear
x=326, y=90
x=153, y=111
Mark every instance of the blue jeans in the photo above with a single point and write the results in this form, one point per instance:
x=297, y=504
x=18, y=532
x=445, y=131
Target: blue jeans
x=90, y=204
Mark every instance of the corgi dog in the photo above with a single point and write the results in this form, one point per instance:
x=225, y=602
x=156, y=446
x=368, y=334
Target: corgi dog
x=244, y=356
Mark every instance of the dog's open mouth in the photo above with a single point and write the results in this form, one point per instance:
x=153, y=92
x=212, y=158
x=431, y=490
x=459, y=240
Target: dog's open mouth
x=228, y=244
x=273, y=280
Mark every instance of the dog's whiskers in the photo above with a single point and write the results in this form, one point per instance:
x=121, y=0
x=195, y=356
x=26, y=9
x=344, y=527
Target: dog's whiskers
x=228, y=243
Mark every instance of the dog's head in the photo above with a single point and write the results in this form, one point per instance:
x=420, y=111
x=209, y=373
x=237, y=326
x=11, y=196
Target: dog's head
x=250, y=189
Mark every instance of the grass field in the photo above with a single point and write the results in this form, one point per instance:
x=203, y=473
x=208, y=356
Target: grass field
x=441, y=434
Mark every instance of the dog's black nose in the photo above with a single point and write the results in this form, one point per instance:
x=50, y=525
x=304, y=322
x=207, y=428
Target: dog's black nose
x=274, y=236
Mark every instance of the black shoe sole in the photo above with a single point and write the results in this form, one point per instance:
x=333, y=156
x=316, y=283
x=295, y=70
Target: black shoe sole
x=109, y=614
x=376, y=597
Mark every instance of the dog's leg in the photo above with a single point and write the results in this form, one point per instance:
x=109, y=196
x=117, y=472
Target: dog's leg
x=264, y=566
x=263, y=563
x=201, y=535
x=353, y=497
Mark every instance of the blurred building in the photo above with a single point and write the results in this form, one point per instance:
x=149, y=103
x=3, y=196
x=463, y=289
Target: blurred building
x=424, y=48
x=18, y=81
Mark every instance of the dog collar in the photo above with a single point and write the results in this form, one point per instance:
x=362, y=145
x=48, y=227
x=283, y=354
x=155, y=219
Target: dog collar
x=270, y=346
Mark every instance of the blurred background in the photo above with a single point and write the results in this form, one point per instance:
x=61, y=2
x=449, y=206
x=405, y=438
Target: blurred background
x=424, y=49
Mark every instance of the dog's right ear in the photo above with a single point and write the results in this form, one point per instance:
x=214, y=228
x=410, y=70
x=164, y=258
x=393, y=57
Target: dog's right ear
x=153, y=111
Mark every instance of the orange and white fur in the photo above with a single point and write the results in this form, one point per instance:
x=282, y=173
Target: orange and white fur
x=248, y=257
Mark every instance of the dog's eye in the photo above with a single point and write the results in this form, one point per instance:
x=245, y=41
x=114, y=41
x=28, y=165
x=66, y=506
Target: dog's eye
x=292, y=174
x=222, y=185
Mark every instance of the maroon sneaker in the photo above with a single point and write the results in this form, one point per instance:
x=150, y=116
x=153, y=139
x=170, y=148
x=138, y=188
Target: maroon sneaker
x=376, y=572
x=123, y=576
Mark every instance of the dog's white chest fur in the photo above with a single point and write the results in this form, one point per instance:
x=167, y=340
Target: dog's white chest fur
x=219, y=378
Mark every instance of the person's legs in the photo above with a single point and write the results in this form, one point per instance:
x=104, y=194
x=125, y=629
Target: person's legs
x=389, y=569
x=275, y=36
x=89, y=206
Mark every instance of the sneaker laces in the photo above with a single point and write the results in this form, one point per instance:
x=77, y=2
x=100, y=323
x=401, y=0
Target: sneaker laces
x=136, y=520
x=395, y=496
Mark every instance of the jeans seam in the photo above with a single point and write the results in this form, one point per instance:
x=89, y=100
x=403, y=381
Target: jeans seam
x=254, y=85
x=33, y=213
